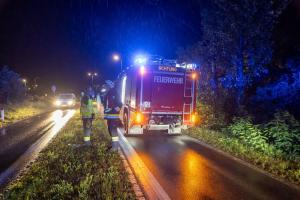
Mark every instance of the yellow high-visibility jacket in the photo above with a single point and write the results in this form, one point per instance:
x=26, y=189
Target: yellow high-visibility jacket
x=87, y=111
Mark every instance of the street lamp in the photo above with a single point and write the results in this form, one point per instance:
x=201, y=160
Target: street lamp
x=25, y=82
x=117, y=58
x=92, y=75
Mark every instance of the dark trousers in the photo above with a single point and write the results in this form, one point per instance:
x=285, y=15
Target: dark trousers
x=87, y=129
x=113, y=131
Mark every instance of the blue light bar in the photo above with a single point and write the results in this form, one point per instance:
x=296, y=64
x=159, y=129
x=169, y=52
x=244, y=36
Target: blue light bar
x=140, y=60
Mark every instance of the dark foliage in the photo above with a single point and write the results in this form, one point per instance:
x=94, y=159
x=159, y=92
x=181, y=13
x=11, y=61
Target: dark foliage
x=11, y=87
x=235, y=53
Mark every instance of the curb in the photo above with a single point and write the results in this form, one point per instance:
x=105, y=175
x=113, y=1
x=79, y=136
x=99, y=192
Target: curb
x=132, y=179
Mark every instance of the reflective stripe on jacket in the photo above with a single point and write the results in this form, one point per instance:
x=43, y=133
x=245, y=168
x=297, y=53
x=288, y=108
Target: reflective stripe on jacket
x=111, y=116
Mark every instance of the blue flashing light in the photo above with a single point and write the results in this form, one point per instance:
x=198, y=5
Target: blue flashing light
x=140, y=60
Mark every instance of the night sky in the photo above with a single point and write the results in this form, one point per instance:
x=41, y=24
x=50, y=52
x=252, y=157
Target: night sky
x=58, y=41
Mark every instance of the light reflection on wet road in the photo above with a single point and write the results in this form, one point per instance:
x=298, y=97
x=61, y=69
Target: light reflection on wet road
x=188, y=170
x=22, y=141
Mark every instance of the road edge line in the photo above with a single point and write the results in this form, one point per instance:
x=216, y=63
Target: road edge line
x=152, y=188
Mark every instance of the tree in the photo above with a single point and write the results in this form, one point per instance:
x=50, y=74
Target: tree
x=11, y=86
x=236, y=44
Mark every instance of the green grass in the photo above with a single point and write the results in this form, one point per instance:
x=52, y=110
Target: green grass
x=16, y=112
x=65, y=172
x=277, y=165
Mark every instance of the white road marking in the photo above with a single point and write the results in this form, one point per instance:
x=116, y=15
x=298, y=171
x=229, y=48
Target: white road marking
x=149, y=183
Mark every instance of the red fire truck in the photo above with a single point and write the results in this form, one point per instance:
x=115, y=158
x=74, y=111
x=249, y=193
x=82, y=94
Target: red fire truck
x=158, y=94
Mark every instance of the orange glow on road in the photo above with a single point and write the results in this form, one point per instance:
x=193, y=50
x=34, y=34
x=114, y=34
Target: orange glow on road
x=195, y=176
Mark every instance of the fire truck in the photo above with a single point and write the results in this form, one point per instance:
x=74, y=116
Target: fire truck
x=158, y=94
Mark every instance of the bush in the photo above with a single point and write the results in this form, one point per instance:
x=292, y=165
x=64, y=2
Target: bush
x=25, y=109
x=11, y=87
x=278, y=165
x=283, y=132
x=209, y=118
x=251, y=135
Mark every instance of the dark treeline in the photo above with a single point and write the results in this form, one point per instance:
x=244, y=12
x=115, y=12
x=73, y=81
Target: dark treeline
x=245, y=69
x=12, y=89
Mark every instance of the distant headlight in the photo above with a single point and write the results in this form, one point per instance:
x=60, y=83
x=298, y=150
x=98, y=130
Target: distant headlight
x=57, y=102
x=70, y=102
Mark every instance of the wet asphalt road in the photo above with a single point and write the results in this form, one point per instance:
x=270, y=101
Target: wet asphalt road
x=189, y=170
x=28, y=136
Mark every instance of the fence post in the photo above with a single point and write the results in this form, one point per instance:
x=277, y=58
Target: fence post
x=2, y=117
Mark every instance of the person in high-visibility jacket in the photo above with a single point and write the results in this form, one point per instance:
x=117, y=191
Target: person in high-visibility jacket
x=87, y=114
x=112, y=107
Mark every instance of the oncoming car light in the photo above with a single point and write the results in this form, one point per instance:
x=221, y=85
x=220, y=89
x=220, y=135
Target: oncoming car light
x=70, y=102
x=57, y=102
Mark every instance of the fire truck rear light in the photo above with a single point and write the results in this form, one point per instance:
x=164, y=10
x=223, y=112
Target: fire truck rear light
x=142, y=70
x=194, y=75
x=195, y=119
x=138, y=118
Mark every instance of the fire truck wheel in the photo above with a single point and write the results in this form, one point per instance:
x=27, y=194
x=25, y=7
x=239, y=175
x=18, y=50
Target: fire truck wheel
x=126, y=124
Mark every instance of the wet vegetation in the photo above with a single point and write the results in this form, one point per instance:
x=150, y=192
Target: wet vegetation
x=272, y=146
x=16, y=100
x=63, y=171
x=18, y=111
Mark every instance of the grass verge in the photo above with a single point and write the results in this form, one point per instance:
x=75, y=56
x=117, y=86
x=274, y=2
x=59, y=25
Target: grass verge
x=65, y=172
x=277, y=166
x=16, y=112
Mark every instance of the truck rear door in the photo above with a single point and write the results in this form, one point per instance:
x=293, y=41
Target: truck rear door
x=167, y=92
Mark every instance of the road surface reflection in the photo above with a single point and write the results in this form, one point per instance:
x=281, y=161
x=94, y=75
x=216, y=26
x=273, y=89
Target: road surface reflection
x=188, y=170
x=21, y=142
